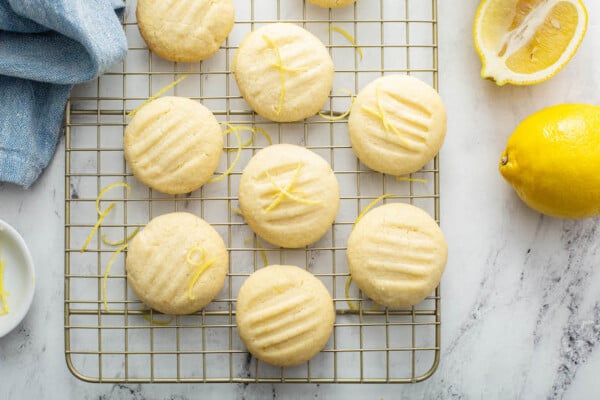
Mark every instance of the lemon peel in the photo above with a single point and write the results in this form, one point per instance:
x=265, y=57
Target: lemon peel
x=157, y=95
x=381, y=114
x=151, y=320
x=230, y=129
x=282, y=70
x=347, y=293
x=120, y=242
x=254, y=131
x=237, y=211
x=527, y=42
x=551, y=160
x=190, y=253
x=349, y=37
x=108, y=188
x=107, y=272
x=287, y=191
x=351, y=305
x=408, y=179
x=3, y=293
x=369, y=206
x=201, y=267
x=341, y=116
x=103, y=215
x=261, y=250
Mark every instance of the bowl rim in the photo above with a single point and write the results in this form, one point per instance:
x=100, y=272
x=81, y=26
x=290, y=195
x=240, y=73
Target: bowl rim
x=30, y=270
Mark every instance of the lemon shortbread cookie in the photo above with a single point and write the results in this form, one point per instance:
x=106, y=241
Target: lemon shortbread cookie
x=173, y=145
x=284, y=72
x=289, y=195
x=332, y=3
x=177, y=263
x=397, y=254
x=284, y=315
x=185, y=30
x=397, y=124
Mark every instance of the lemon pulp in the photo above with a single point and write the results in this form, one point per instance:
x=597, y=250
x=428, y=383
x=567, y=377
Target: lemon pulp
x=527, y=41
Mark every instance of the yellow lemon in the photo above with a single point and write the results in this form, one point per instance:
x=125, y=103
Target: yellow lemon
x=552, y=160
x=527, y=41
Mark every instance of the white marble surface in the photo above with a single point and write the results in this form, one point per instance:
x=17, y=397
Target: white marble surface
x=521, y=304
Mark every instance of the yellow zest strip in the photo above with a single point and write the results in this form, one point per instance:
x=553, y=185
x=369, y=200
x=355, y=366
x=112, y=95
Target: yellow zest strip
x=286, y=191
x=120, y=242
x=344, y=115
x=347, y=293
x=280, y=196
x=350, y=303
x=237, y=211
x=263, y=253
x=107, y=271
x=235, y=131
x=381, y=115
x=265, y=134
x=407, y=179
x=350, y=38
x=151, y=320
x=253, y=131
x=3, y=293
x=103, y=215
x=106, y=189
x=201, y=268
x=369, y=206
x=190, y=253
x=157, y=95
x=282, y=70
x=261, y=249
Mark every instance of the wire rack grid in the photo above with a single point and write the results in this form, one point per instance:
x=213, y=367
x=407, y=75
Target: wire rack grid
x=129, y=343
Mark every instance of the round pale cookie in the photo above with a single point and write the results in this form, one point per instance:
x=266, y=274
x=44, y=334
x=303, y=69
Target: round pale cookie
x=397, y=254
x=173, y=145
x=332, y=3
x=289, y=195
x=397, y=124
x=185, y=30
x=284, y=315
x=283, y=72
x=164, y=257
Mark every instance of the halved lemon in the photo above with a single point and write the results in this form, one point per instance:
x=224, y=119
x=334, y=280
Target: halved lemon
x=527, y=41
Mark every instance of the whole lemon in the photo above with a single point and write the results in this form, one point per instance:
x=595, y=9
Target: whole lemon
x=552, y=160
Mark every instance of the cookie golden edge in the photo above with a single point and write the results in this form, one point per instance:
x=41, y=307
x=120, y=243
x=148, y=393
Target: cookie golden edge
x=421, y=231
x=155, y=109
x=220, y=30
x=411, y=96
x=288, y=306
x=142, y=253
x=258, y=218
x=268, y=110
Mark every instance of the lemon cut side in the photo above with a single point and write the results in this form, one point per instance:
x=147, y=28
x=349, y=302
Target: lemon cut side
x=524, y=42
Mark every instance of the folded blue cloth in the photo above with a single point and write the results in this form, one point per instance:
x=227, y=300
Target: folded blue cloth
x=47, y=46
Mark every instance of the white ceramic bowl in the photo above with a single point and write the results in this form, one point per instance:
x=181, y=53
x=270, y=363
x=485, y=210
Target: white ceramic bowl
x=19, y=277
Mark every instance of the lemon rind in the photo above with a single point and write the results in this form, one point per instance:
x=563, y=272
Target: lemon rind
x=501, y=75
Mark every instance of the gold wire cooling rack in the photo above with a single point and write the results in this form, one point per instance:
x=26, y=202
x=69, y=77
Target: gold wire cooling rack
x=368, y=344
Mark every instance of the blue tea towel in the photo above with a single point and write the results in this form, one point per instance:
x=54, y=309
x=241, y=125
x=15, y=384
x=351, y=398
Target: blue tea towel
x=47, y=46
